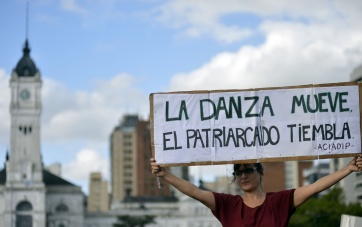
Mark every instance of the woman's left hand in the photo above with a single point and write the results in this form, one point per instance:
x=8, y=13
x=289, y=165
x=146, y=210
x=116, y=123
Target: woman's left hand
x=356, y=164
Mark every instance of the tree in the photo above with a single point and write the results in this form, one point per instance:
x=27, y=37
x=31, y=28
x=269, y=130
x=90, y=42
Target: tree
x=325, y=211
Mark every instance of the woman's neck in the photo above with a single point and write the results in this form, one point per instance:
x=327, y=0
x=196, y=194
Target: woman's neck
x=256, y=194
x=254, y=199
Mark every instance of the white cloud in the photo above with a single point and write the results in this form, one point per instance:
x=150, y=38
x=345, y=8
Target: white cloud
x=95, y=13
x=201, y=18
x=86, y=161
x=205, y=18
x=293, y=54
x=72, y=6
x=73, y=114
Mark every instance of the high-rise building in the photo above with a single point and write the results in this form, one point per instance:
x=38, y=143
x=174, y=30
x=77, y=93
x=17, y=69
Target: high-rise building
x=146, y=181
x=123, y=158
x=98, y=198
x=130, y=157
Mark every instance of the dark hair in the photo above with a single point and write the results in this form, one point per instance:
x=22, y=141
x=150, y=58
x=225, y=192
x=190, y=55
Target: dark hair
x=259, y=167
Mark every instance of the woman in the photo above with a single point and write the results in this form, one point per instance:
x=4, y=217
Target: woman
x=254, y=207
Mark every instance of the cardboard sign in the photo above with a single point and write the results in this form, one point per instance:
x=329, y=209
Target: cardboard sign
x=270, y=124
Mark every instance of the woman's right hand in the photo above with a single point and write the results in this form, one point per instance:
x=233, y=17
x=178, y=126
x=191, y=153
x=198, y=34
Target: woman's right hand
x=156, y=169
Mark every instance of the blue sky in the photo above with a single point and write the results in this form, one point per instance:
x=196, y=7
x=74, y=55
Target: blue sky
x=102, y=59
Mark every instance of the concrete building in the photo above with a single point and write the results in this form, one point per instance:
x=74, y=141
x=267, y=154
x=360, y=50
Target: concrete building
x=294, y=173
x=183, y=212
x=317, y=171
x=30, y=195
x=55, y=168
x=123, y=158
x=98, y=198
x=187, y=212
x=352, y=184
x=146, y=182
x=222, y=184
x=130, y=156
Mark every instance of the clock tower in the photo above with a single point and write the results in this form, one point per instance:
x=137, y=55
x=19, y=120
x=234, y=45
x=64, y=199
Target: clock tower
x=24, y=170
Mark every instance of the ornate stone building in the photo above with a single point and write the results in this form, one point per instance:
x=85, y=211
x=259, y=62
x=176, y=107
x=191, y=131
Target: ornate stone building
x=31, y=196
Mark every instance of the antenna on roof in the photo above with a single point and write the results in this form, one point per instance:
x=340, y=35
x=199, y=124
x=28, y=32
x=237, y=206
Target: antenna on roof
x=27, y=20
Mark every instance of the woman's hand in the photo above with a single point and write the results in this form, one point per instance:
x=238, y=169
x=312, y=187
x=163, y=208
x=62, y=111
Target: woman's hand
x=156, y=169
x=355, y=164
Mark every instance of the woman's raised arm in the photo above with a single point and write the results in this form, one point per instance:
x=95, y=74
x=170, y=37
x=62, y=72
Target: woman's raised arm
x=302, y=194
x=187, y=188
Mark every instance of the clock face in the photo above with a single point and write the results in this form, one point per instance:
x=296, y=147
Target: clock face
x=25, y=94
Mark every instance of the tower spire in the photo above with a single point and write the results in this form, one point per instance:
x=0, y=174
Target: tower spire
x=27, y=20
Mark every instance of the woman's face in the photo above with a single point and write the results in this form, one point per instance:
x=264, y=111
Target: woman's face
x=248, y=178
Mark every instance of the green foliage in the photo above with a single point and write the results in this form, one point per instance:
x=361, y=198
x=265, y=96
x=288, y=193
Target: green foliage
x=134, y=221
x=325, y=211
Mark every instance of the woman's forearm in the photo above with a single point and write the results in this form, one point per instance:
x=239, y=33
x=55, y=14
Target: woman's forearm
x=180, y=184
x=329, y=180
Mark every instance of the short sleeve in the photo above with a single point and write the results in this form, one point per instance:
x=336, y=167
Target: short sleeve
x=284, y=202
x=224, y=203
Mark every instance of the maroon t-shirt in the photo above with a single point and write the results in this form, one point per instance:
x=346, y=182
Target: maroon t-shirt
x=275, y=211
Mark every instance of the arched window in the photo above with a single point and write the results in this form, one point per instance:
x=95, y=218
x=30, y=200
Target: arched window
x=24, y=206
x=24, y=217
x=61, y=208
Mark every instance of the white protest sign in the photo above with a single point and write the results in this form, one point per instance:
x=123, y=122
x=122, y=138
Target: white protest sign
x=291, y=123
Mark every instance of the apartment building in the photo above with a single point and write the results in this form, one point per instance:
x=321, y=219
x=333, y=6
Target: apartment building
x=130, y=152
x=98, y=198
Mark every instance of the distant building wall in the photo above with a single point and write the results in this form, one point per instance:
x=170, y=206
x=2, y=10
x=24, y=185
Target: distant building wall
x=146, y=181
x=98, y=198
x=352, y=184
x=130, y=161
x=274, y=176
x=123, y=158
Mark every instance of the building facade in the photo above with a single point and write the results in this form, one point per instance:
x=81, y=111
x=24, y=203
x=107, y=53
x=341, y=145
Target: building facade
x=123, y=158
x=98, y=198
x=130, y=153
x=29, y=194
x=352, y=184
x=294, y=173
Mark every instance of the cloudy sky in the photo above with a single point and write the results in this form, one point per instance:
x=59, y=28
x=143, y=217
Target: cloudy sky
x=101, y=59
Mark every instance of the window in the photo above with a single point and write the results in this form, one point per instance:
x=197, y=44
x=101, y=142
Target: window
x=23, y=214
x=25, y=129
x=359, y=186
x=61, y=208
x=24, y=206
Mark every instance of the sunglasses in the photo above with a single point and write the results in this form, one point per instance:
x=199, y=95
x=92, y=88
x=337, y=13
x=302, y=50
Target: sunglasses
x=245, y=171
